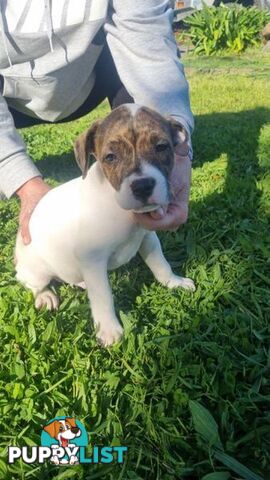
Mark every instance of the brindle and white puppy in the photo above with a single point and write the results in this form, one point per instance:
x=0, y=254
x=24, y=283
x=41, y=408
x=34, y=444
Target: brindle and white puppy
x=85, y=227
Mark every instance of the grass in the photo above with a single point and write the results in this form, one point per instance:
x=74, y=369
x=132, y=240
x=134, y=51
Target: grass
x=188, y=389
x=253, y=62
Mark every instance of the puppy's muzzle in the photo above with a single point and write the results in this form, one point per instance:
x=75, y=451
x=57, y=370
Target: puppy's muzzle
x=143, y=188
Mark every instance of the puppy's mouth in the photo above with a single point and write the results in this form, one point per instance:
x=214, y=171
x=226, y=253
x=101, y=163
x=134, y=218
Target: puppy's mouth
x=64, y=441
x=146, y=208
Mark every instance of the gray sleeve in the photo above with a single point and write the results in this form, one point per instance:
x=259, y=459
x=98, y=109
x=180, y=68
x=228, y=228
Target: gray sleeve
x=16, y=168
x=142, y=44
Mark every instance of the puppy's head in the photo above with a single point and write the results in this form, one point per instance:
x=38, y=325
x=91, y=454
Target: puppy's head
x=63, y=430
x=135, y=147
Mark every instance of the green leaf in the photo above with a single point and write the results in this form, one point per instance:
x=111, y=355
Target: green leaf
x=205, y=425
x=68, y=473
x=49, y=330
x=17, y=390
x=28, y=441
x=222, y=28
x=19, y=370
x=32, y=333
x=217, y=476
x=236, y=466
x=3, y=469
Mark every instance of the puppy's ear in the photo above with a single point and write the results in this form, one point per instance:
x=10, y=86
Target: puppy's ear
x=84, y=146
x=179, y=136
x=50, y=429
x=71, y=421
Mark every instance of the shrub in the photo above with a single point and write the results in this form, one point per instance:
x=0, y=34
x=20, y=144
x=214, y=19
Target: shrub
x=217, y=29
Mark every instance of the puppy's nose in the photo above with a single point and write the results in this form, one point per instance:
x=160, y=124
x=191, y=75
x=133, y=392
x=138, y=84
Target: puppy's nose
x=74, y=429
x=143, y=187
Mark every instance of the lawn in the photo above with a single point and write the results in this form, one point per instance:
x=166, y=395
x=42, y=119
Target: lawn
x=188, y=388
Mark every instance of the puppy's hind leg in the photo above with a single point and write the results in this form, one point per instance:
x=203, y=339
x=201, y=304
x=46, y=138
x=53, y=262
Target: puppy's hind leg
x=151, y=252
x=44, y=297
x=33, y=273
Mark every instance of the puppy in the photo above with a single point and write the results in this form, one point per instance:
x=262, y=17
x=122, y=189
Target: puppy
x=85, y=227
x=63, y=431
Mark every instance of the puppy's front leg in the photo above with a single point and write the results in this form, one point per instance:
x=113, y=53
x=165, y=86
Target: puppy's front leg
x=95, y=277
x=151, y=252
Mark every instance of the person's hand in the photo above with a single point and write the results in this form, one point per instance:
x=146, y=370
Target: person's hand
x=176, y=213
x=30, y=193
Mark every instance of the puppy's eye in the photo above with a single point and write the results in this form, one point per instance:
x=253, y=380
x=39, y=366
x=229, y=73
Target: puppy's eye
x=61, y=429
x=110, y=158
x=162, y=147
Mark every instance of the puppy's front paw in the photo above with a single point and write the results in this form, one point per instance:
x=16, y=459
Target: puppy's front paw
x=73, y=460
x=47, y=299
x=181, y=282
x=108, y=334
x=55, y=460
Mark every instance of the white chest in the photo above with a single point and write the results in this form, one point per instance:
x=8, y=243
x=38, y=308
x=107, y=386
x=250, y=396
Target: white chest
x=126, y=250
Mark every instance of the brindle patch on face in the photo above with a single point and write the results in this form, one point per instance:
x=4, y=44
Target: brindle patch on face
x=153, y=131
x=116, y=136
x=123, y=141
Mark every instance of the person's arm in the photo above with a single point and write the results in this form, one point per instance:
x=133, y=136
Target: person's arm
x=18, y=174
x=16, y=168
x=145, y=53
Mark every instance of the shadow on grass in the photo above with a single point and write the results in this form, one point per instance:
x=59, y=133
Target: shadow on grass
x=61, y=168
x=235, y=135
